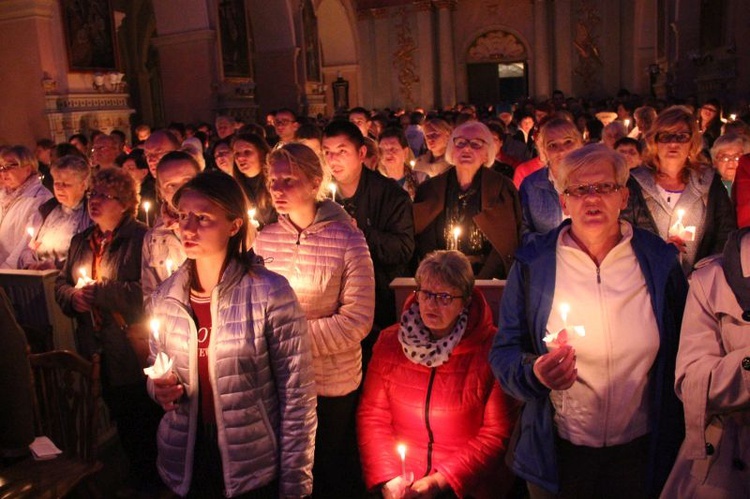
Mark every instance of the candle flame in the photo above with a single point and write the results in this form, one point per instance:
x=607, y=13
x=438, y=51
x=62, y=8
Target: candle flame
x=627, y=123
x=456, y=232
x=412, y=163
x=146, y=205
x=332, y=188
x=30, y=231
x=564, y=311
x=401, y=448
x=733, y=117
x=82, y=271
x=169, y=263
x=154, y=325
x=251, y=213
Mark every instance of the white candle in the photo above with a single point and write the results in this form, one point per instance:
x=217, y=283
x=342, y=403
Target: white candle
x=154, y=325
x=732, y=117
x=401, y=448
x=412, y=163
x=30, y=231
x=162, y=363
x=332, y=188
x=82, y=271
x=146, y=207
x=627, y=124
x=564, y=311
x=169, y=263
x=456, y=234
x=251, y=215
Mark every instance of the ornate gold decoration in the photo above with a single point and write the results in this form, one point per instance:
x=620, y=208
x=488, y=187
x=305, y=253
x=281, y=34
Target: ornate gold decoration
x=586, y=43
x=497, y=46
x=403, y=58
x=422, y=5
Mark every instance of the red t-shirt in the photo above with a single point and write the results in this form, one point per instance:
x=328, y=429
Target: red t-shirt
x=202, y=313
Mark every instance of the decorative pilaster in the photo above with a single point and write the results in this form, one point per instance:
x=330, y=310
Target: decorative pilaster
x=542, y=61
x=446, y=52
x=426, y=61
x=403, y=59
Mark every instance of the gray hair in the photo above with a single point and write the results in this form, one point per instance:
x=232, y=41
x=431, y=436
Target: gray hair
x=589, y=155
x=729, y=140
x=72, y=163
x=482, y=131
x=449, y=267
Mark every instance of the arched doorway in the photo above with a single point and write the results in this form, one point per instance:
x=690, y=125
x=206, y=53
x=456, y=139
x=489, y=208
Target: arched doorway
x=497, y=69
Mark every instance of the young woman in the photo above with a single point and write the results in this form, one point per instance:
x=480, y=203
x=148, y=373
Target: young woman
x=250, y=151
x=240, y=399
x=325, y=257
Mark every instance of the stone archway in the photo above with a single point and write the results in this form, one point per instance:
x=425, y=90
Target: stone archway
x=496, y=68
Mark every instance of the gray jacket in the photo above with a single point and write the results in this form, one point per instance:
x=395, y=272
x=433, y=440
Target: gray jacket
x=260, y=366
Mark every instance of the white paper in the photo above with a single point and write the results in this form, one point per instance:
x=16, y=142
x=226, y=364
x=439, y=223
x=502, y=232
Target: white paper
x=161, y=368
x=552, y=337
x=84, y=281
x=42, y=448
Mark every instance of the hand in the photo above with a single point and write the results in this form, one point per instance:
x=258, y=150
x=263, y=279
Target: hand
x=395, y=488
x=167, y=391
x=557, y=370
x=428, y=487
x=678, y=242
x=83, y=299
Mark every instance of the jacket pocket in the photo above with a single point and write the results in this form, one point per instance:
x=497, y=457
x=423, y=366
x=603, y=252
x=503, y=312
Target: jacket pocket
x=267, y=423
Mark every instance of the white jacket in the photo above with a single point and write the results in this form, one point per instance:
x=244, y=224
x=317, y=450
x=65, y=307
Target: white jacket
x=21, y=213
x=329, y=267
x=260, y=368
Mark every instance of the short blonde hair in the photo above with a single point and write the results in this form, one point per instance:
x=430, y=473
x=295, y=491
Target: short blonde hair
x=449, y=267
x=437, y=124
x=24, y=156
x=565, y=126
x=484, y=134
x=670, y=120
x=302, y=159
x=590, y=155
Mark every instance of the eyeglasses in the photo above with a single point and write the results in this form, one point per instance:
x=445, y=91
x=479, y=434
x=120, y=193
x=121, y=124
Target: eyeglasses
x=283, y=122
x=433, y=135
x=9, y=166
x=727, y=159
x=673, y=138
x=442, y=299
x=709, y=108
x=101, y=195
x=602, y=188
x=476, y=144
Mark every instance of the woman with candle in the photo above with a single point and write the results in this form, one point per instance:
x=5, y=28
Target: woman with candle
x=162, y=244
x=675, y=177
x=482, y=202
x=600, y=416
x=325, y=257
x=136, y=165
x=436, y=134
x=62, y=216
x=429, y=388
x=108, y=254
x=21, y=196
x=394, y=150
x=250, y=151
x=712, y=378
x=240, y=400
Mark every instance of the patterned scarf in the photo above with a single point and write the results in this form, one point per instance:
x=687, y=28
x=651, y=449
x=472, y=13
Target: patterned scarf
x=415, y=339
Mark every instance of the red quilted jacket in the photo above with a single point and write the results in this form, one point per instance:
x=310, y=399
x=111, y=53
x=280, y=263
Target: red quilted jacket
x=454, y=418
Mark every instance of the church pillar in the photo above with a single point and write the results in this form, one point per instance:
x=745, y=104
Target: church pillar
x=426, y=51
x=446, y=53
x=382, y=95
x=542, y=61
x=563, y=47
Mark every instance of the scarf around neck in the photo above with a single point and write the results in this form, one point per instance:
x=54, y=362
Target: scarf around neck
x=416, y=343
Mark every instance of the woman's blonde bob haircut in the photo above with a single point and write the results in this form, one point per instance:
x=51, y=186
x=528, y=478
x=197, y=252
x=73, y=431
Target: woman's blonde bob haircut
x=449, y=267
x=301, y=159
x=483, y=133
x=590, y=155
x=671, y=120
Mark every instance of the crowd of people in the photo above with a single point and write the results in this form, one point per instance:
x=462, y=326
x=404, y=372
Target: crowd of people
x=261, y=257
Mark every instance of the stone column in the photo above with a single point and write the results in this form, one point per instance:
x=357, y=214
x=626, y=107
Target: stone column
x=542, y=61
x=426, y=53
x=367, y=59
x=446, y=53
x=564, y=54
x=382, y=81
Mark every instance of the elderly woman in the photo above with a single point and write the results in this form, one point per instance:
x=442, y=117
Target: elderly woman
x=436, y=134
x=63, y=216
x=100, y=286
x=22, y=195
x=539, y=199
x=600, y=416
x=325, y=257
x=470, y=207
x=725, y=156
x=394, y=151
x=678, y=188
x=429, y=387
x=712, y=378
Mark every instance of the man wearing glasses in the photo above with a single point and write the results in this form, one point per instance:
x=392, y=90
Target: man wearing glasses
x=286, y=125
x=587, y=339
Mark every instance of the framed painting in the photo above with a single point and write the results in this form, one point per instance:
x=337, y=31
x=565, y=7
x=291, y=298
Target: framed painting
x=89, y=35
x=235, y=39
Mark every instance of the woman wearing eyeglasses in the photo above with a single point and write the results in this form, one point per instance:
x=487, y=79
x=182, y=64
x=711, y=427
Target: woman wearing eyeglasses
x=429, y=387
x=678, y=186
x=600, y=416
x=725, y=156
x=470, y=207
x=100, y=286
x=21, y=195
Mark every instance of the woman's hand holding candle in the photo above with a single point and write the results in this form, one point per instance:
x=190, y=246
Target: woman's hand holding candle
x=162, y=366
x=167, y=391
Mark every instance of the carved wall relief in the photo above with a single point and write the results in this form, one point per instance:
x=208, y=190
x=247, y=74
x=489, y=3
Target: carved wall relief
x=496, y=46
x=403, y=58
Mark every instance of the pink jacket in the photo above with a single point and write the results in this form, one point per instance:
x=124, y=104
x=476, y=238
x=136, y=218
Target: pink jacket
x=329, y=267
x=454, y=419
x=713, y=381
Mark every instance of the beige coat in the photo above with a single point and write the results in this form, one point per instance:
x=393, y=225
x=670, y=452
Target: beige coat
x=713, y=381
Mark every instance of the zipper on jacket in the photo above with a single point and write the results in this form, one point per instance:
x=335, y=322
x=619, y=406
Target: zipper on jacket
x=598, y=275
x=430, y=437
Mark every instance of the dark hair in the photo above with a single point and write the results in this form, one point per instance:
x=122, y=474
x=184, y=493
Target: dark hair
x=497, y=130
x=226, y=193
x=119, y=134
x=46, y=144
x=394, y=132
x=309, y=131
x=178, y=127
x=629, y=141
x=178, y=156
x=67, y=149
x=288, y=111
x=80, y=138
x=360, y=110
x=346, y=128
x=138, y=156
x=256, y=140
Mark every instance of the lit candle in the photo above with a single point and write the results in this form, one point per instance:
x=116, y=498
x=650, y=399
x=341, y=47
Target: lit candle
x=686, y=233
x=732, y=117
x=146, y=207
x=401, y=448
x=627, y=124
x=456, y=234
x=169, y=263
x=30, y=231
x=332, y=188
x=82, y=271
x=564, y=311
x=162, y=363
x=154, y=325
x=412, y=163
x=251, y=215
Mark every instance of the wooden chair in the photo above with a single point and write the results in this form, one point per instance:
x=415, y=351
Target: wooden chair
x=66, y=390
